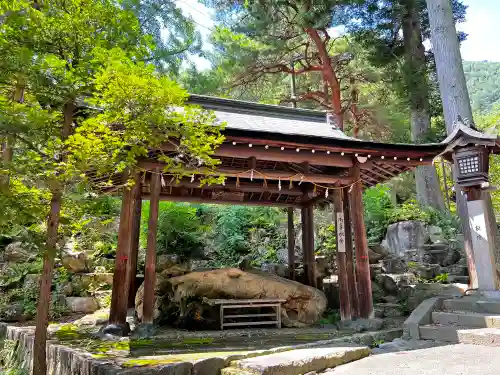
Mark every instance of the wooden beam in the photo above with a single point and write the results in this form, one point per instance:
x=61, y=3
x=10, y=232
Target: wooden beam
x=287, y=155
x=260, y=175
x=386, y=171
x=119, y=294
x=291, y=244
x=377, y=174
x=244, y=186
x=365, y=301
x=340, y=229
x=194, y=199
x=150, y=264
x=134, y=251
x=276, y=154
x=349, y=255
x=428, y=156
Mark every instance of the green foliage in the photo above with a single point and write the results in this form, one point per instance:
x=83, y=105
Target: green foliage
x=483, y=84
x=380, y=213
x=15, y=273
x=180, y=230
x=247, y=231
x=330, y=317
x=377, y=204
x=171, y=47
x=441, y=278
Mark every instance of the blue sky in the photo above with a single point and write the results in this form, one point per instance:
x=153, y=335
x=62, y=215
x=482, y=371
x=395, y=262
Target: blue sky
x=482, y=26
x=483, y=29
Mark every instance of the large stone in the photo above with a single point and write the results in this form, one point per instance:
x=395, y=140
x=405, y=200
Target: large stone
x=304, y=305
x=98, y=317
x=15, y=252
x=387, y=284
x=360, y=325
x=31, y=281
x=85, y=282
x=422, y=292
x=402, y=279
x=13, y=312
x=428, y=271
x=76, y=262
x=165, y=261
x=82, y=304
x=405, y=235
x=374, y=257
x=436, y=234
x=393, y=265
x=162, y=288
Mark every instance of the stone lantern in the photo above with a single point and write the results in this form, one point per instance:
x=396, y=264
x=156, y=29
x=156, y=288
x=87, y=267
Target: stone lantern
x=469, y=149
x=472, y=165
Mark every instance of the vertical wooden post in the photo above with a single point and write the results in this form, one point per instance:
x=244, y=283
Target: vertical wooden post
x=119, y=295
x=340, y=230
x=349, y=255
x=310, y=248
x=365, y=301
x=134, y=251
x=150, y=268
x=305, y=243
x=291, y=244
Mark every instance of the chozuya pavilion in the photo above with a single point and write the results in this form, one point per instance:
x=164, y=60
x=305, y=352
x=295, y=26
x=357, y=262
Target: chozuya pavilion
x=276, y=156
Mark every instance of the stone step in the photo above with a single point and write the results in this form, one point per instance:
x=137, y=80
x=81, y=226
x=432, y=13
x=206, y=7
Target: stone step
x=469, y=304
x=296, y=362
x=466, y=319
x=458, y=279
x=438, y=333
x=455, y=335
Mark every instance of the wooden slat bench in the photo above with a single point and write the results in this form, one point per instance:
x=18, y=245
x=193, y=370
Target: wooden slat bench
x=228, y=304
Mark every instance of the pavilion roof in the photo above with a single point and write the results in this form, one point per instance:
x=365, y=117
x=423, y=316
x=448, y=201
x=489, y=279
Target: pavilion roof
x=265, y=118
x=274, y=155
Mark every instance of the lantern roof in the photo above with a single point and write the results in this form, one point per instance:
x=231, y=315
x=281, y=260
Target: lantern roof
x=465, y=133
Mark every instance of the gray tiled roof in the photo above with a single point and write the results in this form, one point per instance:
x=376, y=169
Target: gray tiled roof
x=241, y=115
x=272, y=124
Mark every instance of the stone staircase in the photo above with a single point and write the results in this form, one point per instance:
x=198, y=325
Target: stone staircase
x=466, y=320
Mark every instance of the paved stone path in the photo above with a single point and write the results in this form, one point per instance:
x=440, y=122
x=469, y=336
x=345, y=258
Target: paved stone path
x=458, y=359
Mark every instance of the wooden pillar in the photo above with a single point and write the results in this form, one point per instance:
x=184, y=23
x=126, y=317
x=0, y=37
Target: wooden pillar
x=291, y=244
x=134, y=251
x=312, y=258
x=365, y=301
x=150, y=267
x=305, y=243
x=349, y=255
x=340, y=230
x=119, y=297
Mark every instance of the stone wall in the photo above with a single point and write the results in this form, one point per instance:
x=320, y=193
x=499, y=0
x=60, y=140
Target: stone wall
x=17, y=348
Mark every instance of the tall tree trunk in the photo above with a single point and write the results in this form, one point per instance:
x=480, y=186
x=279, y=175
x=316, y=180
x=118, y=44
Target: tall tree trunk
x=415, y=74
x=455, y=97
x=42, y=310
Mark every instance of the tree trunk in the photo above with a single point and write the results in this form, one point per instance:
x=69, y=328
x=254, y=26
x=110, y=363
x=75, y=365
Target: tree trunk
x=415, y=74
x=454, y=94
x=42, y=310
x=329, y=76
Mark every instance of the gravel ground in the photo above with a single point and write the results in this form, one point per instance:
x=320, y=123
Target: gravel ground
x=458, y=359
